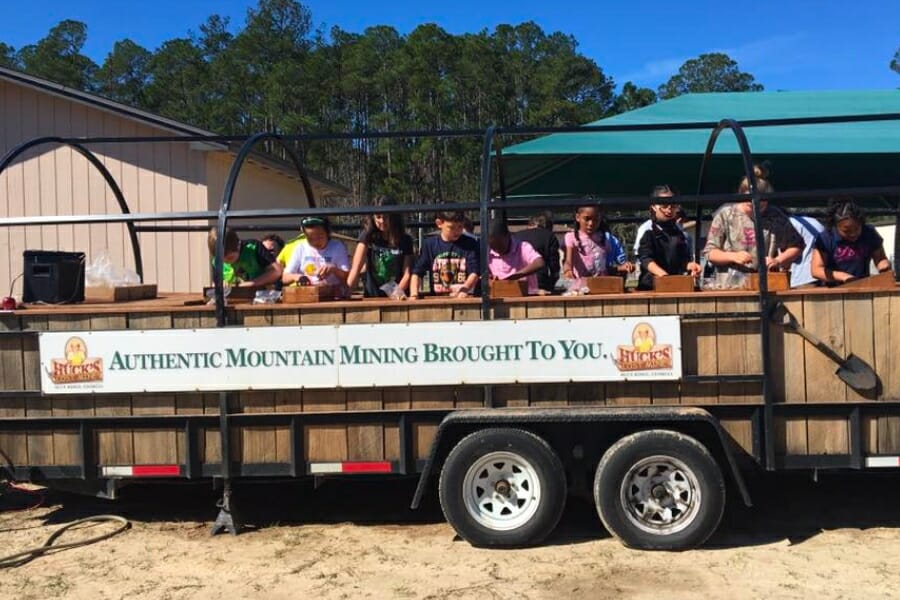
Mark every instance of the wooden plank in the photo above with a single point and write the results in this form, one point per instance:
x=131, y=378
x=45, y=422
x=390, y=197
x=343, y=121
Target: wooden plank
x=824, y=317
x=256, y=319
x=397, y=314
x=330, y=316
x=664, y=393
x=325, y=442
x=394, y=399
x=257, y=443
x=585, y=394
x=470, y=396
x=188, y=404
x=284, y=318
x=66, y=447
x=212, y=445
x=365, y=442
x=504, y=310
x=699, y=351
x=859, y=337
x=546, y=310
x=886, y=315
x=627, y=393
x=740, y=430
x=828, y=435
x=423, y=398
x=12, y=377
x=286, y=401
x=363, y=314
x=790, y=436
x=587, y=308
x=153, y=446
x=739, y=350
x=510, y=396
x=547, y=395
x=466, y=312
x=423, y=313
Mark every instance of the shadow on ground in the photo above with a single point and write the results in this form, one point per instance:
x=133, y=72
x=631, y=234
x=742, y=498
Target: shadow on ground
x=787, y=506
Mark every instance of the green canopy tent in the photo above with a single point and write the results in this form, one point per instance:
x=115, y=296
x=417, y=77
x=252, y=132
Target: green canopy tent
x=803, y=157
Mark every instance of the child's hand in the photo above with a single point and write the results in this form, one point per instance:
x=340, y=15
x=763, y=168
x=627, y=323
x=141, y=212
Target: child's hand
x=693, y=269
x=325, y=270
x=626, y=267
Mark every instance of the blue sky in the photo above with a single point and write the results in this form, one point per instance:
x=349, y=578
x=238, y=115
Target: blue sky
x=788, y=45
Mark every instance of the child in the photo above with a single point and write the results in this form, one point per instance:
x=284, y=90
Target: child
x=273, y=243
x=591, y=250
x=541, y=237
x=731, y=242
x=247, y=262
x=663, y=248
x=450, y=259
x=385, y=250
x=509, y=258
x=318, y=259
x=843, y=251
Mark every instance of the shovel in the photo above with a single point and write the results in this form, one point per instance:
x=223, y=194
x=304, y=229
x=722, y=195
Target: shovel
x=852, y=370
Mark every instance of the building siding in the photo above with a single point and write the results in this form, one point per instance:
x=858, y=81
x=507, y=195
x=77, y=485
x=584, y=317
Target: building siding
x=154, y=177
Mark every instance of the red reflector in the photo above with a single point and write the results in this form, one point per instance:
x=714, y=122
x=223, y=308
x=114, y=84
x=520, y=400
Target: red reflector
x=155, y=470
x=366, y=467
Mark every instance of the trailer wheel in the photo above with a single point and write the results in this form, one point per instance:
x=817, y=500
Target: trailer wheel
x=502, y=488
x=659, y=490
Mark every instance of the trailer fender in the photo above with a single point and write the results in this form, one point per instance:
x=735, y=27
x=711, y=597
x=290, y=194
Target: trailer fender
x=634, y=418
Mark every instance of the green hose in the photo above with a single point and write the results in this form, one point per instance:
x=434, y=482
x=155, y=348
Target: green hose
x=20, y=558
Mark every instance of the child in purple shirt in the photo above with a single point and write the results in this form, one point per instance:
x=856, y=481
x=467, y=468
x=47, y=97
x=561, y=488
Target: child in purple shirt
x=509, y=258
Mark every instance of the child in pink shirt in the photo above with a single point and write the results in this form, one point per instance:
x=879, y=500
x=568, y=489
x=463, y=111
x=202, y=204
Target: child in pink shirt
x=509, y=258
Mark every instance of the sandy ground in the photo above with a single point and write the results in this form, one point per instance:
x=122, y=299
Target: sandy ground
x=839, y=538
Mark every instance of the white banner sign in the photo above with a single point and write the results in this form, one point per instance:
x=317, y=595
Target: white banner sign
x=384, y=354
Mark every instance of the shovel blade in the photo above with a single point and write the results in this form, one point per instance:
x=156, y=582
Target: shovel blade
x=857, y=373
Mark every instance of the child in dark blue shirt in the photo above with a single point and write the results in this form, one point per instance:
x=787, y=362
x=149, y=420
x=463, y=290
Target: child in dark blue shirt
x=843, y=251
x=450, y=260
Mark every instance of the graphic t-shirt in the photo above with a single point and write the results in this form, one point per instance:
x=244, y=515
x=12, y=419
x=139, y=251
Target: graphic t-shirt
x=849, y=257
x=449, y=263
x=383, y=263
x=596, y=253
x=732, y=230
x=284, y=257
x=253, y=258
x=306, y=260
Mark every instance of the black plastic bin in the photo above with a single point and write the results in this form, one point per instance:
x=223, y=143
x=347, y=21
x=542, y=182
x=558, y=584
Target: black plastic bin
x=53, y=277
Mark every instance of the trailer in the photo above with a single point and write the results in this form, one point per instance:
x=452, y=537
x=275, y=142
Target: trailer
x=653, y=403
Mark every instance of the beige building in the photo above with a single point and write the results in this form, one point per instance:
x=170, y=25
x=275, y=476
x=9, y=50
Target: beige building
x=154, y=177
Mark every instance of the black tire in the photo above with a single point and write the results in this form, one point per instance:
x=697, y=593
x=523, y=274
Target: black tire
x=678, y=477
x=522, y=488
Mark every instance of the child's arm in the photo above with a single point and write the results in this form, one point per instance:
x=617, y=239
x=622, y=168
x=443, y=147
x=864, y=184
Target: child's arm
x=414, y=287
x=617, y=256
x=403, y=284
x=340, y=267
x=879, y=257
x=270, y=275
x=531, y=268
x=567, y=262
x=359, y=259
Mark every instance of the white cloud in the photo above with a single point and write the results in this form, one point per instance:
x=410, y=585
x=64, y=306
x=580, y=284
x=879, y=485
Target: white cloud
x=776, y=54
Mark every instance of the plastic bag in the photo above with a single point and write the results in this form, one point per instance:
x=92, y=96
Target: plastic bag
x=393, y=291
x=101, y=272
x=267, y=297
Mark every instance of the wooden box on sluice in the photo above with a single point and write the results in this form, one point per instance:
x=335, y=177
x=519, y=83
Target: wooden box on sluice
x=719, y=342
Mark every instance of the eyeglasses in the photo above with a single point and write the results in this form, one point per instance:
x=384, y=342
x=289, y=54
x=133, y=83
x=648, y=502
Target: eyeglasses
x=312, y=222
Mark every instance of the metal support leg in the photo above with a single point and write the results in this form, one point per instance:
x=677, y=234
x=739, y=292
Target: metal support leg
x=225, y=521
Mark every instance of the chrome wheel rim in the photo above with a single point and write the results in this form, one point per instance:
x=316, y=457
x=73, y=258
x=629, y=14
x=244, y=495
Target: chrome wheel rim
x=501, y=491
x=660, y=495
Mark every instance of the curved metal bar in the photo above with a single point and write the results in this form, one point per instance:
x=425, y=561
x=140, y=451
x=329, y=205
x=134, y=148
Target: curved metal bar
x=764, y=304
x=225, y=206
x=498, y=151
x=107, y=176
x=484, y=216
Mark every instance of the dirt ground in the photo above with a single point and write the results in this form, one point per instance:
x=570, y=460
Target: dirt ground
x=839, y=538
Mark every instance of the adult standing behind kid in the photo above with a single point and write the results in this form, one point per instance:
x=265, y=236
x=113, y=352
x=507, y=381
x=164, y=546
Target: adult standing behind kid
x=385, y=250
x=731, y=242
x=540, y=236
x=450, y=259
